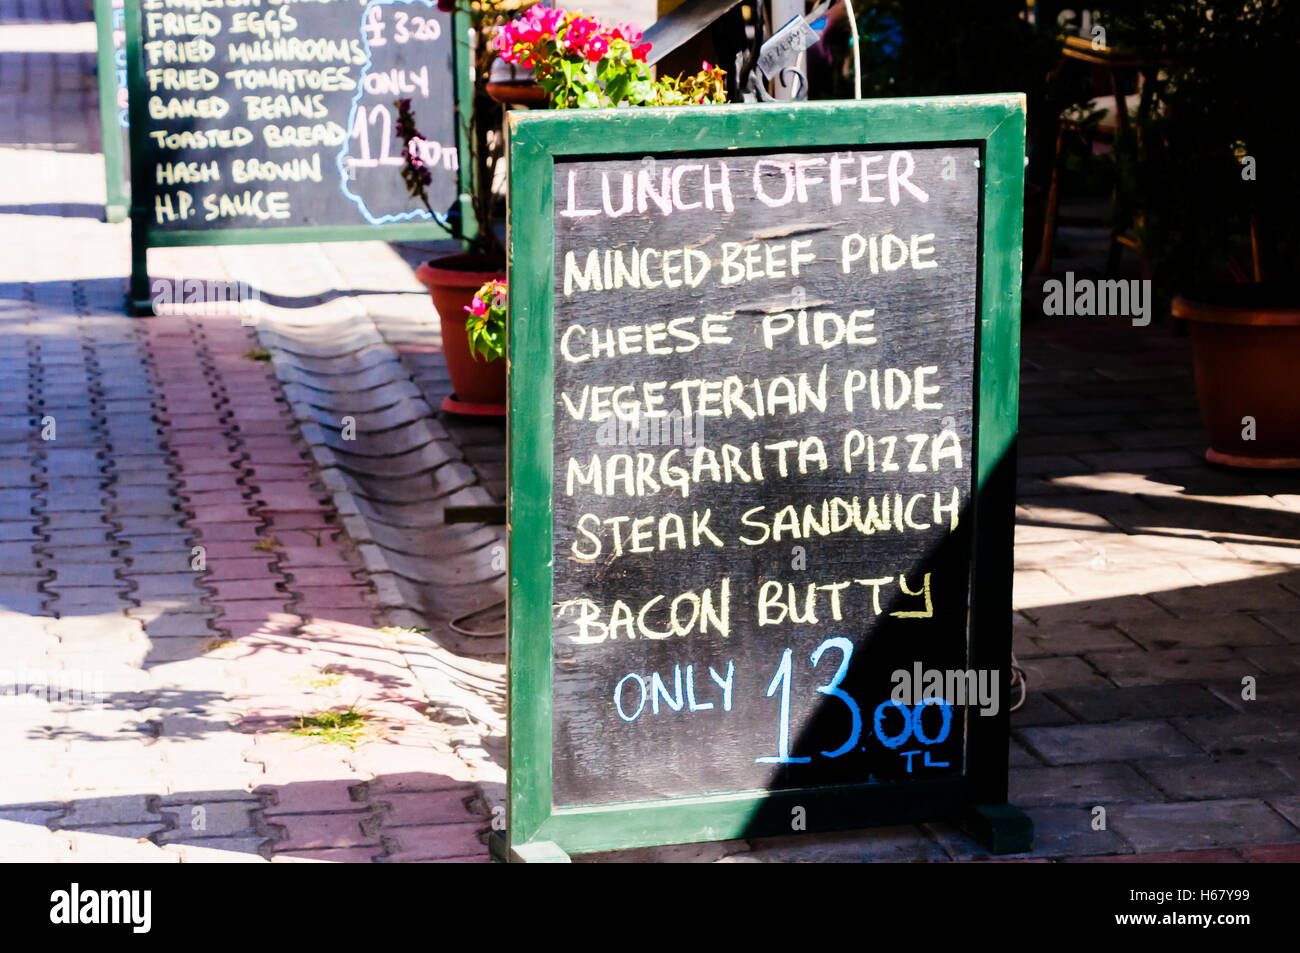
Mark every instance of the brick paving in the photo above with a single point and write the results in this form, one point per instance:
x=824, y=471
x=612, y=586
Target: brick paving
x=198, y=536
x=165, y=537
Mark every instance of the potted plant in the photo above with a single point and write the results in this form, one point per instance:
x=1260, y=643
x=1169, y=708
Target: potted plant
x=485, y=331
x=478, y=385
x=1212, y=187
x=582, y=63
x=515, y=86
x=578, y=62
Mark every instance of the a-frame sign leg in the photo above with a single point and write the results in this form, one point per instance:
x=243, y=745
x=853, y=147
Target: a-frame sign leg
x=538, y=852
x=999, y=828
x=139, y=300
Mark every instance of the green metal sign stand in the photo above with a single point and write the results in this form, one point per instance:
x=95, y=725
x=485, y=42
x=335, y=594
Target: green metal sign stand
x=537, y=829
x=145, y=236
x=110, y=62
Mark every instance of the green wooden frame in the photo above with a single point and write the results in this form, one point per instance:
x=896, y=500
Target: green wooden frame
x=117, y=187
x=996, y=125
x=144, y=236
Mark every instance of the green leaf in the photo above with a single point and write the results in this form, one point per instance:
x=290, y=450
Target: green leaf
x=616, y=88
x=641, y=91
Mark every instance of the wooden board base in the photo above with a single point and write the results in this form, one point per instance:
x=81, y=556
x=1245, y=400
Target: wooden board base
x=1000, y=828
x=539, y=852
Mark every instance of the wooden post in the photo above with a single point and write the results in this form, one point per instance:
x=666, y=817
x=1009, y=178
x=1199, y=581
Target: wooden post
x=782, y=11
x=112, y=136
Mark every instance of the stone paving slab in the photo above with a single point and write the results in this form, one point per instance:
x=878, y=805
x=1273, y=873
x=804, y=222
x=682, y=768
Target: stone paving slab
x=1140, y=702
x=1125, y=741
x=1083, y=785
x=1203, y=824
x=1158, y=600
x=165, y=443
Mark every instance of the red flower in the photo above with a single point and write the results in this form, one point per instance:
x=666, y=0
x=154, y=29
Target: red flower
x=578, y=31
x=597, y=47
x=641, y=51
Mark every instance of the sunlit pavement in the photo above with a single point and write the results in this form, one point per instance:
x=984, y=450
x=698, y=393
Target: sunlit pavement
x=175, y=588
x=1151, y=591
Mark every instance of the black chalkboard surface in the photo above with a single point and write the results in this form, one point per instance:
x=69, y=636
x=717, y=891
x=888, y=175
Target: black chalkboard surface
x=762, y=411
x=281, y=115
x=777, y=348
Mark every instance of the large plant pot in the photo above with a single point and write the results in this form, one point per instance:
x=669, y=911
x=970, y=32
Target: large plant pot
x=513, y=85
x=1246, y=348
x=480, y=386
x=519, y=94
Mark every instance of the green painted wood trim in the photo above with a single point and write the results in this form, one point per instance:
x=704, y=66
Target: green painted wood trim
x=994, y=123
x=406, y=231
x=530, y=413
x=739, y=815
x=764, y=125
x=117, y=189
x=466, y=228
x=1003, y=167
x=1003, y=215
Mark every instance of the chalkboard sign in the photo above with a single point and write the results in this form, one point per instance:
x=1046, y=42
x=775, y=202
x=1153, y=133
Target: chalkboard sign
x=275, y=123
x=110, y=62
x=763, y=403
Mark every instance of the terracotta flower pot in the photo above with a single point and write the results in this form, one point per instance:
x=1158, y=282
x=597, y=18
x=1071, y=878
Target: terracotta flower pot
x=452, y=282
x=518, y=94
x=1246, y=349
x=513, y=85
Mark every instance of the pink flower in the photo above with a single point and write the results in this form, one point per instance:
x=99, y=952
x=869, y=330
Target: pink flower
x=478, y=308
x=547, y=19
x=597, y=47
x=579, y=30
x=504, y=41
x=626, y=31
